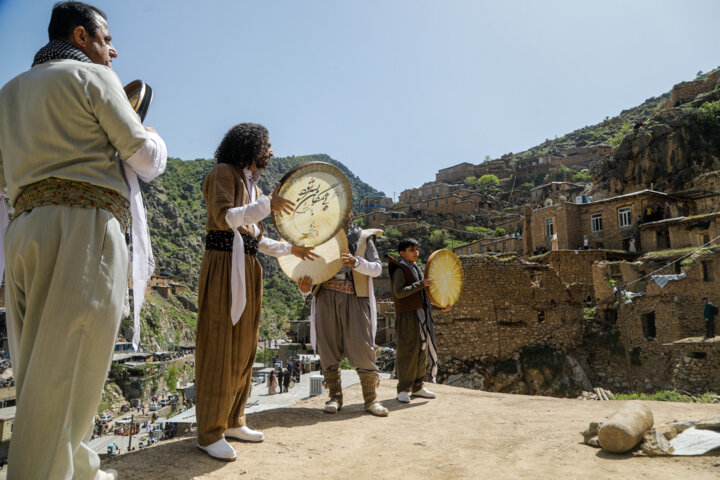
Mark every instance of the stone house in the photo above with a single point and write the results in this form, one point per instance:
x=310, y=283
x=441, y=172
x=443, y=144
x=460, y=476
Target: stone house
x=498, y=167
x=555, y=192
x=526, y=167
x=456, y=173
x=510, y=225
x=681, y=232
x=662, y=330
x=686, y=91
x=610, y=223
x=581, y=155
x=427, y=191
x=374, y=204
x=506, y=244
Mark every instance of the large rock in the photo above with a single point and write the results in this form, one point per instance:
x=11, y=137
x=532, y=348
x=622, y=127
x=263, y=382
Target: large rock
x=625, y=428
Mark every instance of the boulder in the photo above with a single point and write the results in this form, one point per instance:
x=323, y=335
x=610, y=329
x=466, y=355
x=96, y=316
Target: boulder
x=625, y=428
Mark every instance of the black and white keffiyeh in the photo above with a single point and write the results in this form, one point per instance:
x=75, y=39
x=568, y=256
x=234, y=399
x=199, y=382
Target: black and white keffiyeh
x=353, y=237
x=427, y=327
x=57, y=50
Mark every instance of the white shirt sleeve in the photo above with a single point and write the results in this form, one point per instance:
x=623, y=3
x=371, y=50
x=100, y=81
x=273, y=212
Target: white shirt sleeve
x=149, y=162
x=274, y=248
x=371, y=269
x=248, y=214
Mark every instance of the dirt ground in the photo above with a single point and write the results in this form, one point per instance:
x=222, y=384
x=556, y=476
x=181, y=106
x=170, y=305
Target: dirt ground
x=463, y=434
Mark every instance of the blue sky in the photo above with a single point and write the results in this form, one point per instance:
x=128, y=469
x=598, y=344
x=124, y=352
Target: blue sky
x=394, y=89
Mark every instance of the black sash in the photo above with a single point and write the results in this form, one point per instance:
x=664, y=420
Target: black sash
x=223, y=240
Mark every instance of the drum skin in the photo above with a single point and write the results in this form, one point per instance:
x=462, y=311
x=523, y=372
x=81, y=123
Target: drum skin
x=445, y=268
x=320, y=269
x=323, y=203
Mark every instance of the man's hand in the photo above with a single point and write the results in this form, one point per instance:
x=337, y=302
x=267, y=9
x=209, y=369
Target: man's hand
x=348, y=260
x=149, y=128
x=305, y=284
x=447, y=309
x=279, y=204
x=304, y=253
x=428, y=281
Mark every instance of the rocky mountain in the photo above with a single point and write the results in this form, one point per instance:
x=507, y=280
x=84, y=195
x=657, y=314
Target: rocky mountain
x=674, y=146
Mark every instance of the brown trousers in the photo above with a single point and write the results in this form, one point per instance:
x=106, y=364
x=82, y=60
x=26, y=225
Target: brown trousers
x=224, y=353
x=411, y=358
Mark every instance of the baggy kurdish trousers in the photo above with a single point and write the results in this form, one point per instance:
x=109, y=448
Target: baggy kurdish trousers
x=66, y=281
x=224, y=353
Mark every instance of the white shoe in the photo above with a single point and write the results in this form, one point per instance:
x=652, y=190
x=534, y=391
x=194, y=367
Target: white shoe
x=245, y=434
x=424, y=393
x=108, y=474
x=331, y=406
x=220, y=450
x=403, y=397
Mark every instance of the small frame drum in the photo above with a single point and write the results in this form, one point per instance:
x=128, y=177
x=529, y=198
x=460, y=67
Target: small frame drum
x=445, y=267
x=140, y=96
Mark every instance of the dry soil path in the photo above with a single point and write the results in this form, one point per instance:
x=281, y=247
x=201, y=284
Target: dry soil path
x=463, y=434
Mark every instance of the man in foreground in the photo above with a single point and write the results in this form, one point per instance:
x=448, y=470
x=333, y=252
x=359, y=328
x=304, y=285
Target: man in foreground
x=68, y=140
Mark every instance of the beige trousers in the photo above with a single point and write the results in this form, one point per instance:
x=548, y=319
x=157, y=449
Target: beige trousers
x=344, y=329
x=224, y=353
x=66, y=281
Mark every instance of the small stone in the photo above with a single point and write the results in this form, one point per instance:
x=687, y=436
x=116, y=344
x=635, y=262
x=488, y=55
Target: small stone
x=590, y=436
x=711, y=423
x=655, y=444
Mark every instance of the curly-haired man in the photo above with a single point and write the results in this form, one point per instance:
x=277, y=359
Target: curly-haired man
x=230, y=288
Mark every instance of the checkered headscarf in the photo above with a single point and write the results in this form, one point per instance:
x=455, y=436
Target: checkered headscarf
x=58, y=49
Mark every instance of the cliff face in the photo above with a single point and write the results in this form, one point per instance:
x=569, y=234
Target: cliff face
x=666, y=153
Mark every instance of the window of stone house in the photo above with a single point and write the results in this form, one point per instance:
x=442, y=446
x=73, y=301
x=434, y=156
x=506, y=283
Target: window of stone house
x=536, y=194
x=504, y=247
x=541, y=316
x=549, y=227
x=469, y=250
x=705, y=238
x=624, y=217
x=419, y=193
x=648, y=325
x=707, y=270
x=596, y=222
x=437, y=189
x=615, y=272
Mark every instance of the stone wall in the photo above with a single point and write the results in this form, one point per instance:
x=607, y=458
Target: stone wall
x=506, y=305
x=695, y=366
x=685, y=91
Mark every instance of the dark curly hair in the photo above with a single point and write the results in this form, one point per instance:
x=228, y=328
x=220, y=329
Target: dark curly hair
x=243, y=144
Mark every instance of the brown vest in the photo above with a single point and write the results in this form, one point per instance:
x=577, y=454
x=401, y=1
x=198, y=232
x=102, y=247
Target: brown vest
x=225, y=188
x=410, y=303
